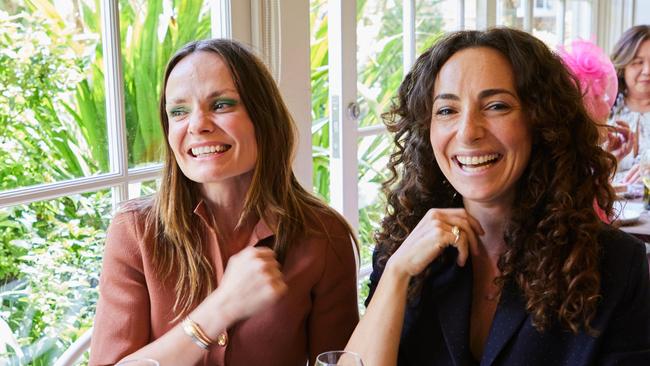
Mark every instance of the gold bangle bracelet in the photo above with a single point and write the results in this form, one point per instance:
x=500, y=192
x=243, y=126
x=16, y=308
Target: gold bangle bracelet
x=195, y=332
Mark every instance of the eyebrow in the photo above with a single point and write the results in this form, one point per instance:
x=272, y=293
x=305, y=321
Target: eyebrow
x=482, y=95
x=214, y=94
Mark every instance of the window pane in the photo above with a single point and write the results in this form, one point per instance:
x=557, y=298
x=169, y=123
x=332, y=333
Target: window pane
x=373, y=156
x=510, y=13
x=432, y=18
x=50, y=259
x=52, y=114
x=379, y=56
x=151, y=32
x=141, y=189
x=577, y=20
x=470, y=14
x=545, y=26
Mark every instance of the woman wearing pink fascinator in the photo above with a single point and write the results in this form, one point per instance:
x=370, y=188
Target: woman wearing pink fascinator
x=598, y=81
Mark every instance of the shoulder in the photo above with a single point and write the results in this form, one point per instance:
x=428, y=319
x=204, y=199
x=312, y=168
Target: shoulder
x=326, y=223
x=330, y=235
x=619, y=250
x=126, y=232
x=624, y=266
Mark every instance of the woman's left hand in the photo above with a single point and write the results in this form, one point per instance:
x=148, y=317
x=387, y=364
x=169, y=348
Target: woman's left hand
x=438, y=229
x=620, y=140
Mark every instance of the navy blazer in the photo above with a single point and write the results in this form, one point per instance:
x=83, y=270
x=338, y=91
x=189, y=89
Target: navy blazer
x=436, y=325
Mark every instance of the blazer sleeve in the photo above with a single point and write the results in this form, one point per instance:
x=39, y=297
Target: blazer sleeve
x=375, y=275
x=627, y=338
x=122, y=321
x=334, y=313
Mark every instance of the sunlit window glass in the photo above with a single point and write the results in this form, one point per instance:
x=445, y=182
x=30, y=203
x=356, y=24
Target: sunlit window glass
x=510, y=13
x=52, y=113
x=50, y=260
x=577, y=20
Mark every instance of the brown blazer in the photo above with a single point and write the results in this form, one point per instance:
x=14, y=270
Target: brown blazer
x=318, y=313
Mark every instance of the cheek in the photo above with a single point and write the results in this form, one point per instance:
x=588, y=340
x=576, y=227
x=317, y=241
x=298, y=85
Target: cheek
x=630, y=74
x=175, y=138
x=438, y=142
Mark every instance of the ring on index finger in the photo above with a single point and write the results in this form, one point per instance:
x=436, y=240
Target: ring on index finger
x=456, y=231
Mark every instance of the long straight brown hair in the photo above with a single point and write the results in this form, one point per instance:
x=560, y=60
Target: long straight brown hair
x=274, y=194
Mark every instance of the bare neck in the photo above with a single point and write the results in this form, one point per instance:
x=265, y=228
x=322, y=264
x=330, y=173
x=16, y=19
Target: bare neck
x=225, y=201
x=638, y=102
x=493, y=220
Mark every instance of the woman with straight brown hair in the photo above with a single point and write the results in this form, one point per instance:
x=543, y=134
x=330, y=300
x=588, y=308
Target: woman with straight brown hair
x=232, y=262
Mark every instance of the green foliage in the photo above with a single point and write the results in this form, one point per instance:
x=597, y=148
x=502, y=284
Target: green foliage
x=53, y=302
x=34, y=120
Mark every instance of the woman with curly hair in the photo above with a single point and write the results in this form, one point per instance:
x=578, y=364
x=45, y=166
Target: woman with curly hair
x=231, y=262
x=491, y=251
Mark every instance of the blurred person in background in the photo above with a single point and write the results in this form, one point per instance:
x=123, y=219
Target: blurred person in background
x=631, y=58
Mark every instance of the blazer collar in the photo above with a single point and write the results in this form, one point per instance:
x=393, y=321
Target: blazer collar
x=454, y=307
x=508, y=319
x=453, y=290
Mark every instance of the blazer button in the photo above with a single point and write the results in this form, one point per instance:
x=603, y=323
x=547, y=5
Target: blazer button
x=222, y=339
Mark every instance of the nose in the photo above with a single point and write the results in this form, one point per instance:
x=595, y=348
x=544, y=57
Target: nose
x=200, y=123
x=646, y=67
x=470, y=127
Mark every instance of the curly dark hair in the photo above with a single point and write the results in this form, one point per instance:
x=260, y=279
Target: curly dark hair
x=552, y=252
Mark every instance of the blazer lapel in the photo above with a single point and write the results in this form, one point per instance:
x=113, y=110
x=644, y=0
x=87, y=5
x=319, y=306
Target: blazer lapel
x=508, y=319
x=453, y=305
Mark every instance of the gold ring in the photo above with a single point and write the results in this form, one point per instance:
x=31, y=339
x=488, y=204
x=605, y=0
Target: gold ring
x=456, y=231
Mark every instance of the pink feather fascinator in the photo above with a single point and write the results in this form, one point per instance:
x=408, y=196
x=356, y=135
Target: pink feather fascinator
x=596, y=75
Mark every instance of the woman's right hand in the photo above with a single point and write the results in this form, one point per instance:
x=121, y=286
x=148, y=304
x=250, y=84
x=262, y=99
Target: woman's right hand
x=251, y=282
x=620, y=140
x=431, y=236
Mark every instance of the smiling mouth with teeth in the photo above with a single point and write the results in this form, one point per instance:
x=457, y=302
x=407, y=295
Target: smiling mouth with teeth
x=203, y=151
x=476, y=163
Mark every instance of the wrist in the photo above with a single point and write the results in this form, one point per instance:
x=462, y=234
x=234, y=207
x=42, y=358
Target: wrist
x=214, y=315
x=396, y=273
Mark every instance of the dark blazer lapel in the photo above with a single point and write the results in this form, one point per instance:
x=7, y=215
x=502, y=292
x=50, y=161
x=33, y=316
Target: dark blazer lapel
x=509, y=317
x=453, y=313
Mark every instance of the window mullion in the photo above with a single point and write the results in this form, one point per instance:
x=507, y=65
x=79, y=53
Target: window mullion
x=560, y=23
x=486, y=14
x=220, y=15
x=408, y=34
x=528, y=15
x=342, y=94
x=461, y=14
x=75, y=186
x=114, y=86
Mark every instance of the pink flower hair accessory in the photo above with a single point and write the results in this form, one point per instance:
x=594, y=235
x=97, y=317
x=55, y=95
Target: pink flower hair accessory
x=596, y=75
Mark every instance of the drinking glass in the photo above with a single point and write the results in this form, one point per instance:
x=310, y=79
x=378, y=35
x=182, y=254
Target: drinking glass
x=644, y=172
x=138, y=362
x=339, y=358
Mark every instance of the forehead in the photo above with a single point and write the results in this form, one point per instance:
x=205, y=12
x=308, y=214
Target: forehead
x=475, y=69
x=644, y=49
x=199, y=71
